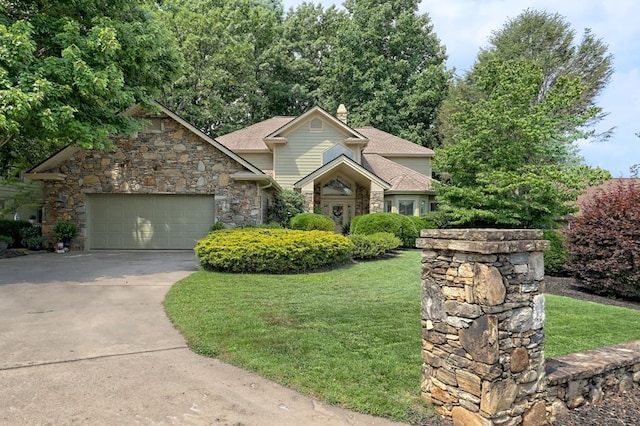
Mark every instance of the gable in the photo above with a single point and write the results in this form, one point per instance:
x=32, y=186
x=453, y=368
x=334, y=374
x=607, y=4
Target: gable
x=165, y=121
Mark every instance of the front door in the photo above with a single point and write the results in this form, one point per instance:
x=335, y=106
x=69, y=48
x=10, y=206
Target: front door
x=340, y=212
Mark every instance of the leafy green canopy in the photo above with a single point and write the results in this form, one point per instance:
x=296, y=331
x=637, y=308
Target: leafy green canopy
x=247, y=62
x=67, y=68
x=507, y=165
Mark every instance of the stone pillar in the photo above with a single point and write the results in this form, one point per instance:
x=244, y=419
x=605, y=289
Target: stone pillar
x=482, y=325
x=376, y=199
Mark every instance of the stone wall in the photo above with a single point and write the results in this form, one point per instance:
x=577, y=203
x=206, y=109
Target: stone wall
x=171, y=161
x=591, y=376
x=482, y=325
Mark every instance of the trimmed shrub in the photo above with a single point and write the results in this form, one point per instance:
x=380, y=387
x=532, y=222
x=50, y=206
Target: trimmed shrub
x=604, y=242
x=272, y=251
x=374, y=245
x=311, y=222
x=12, y=228
x=32, y=238
x=424, y=222
x=401, y=226
x=556, y=257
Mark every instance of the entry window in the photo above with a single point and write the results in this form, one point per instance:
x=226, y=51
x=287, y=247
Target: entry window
x=405, y=207
x=337, y=186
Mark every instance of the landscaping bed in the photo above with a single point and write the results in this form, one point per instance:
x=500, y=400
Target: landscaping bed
x=9, y=253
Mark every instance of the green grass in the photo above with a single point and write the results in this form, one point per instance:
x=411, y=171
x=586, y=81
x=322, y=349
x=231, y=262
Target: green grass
x=350, y=336
x=575, y=326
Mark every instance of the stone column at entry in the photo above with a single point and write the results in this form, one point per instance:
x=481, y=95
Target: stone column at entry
x=482, y=325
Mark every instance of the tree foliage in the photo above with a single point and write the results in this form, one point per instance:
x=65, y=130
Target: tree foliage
x=547, y=40
x=224, y=43
x=604, y=241
x=388, y=68
x=247, y=62
x=67, y=68
x=507, y=163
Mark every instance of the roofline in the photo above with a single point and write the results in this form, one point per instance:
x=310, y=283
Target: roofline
x=326, y=115
x=341, y=159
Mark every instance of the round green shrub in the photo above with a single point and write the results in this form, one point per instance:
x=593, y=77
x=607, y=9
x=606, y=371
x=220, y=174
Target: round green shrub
x=400, y=225
x=272, y=251
x=311, y=222
x=556, y=257
x=374, y=245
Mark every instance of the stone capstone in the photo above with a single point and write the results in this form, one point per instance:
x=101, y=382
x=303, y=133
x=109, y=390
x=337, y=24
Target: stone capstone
x=480, y=339
x=488, y=287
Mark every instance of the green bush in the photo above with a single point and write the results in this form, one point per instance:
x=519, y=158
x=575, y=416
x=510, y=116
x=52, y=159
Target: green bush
x=311, y=222
x=11, y=228
x=272, y=251
x=32, y=238
x=556, y=257
x=401, y=226
x=423, y=222
x=286, y=204
x=374, y=245
x=604, y=242
x=65, y=230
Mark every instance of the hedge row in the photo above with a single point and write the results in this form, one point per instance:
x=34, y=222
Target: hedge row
x=272, y=251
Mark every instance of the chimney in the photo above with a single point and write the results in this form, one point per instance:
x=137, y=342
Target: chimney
x=341, y=114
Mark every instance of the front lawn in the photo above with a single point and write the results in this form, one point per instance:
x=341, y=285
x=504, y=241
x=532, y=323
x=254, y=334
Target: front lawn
x=350, y=336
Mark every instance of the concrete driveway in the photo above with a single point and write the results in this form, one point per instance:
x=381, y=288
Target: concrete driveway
x=84, y=340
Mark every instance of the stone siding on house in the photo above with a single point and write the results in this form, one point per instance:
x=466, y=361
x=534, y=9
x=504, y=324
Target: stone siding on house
x=171, y=161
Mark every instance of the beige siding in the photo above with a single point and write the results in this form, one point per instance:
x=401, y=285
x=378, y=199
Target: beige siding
x=302, y=154
x=261, y=161
x=420, y=165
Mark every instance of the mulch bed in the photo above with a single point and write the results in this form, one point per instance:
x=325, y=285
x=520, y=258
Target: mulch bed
x=615, y=410
x=8, y=253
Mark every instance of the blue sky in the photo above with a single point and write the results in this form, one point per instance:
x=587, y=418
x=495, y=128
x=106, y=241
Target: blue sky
x=464, y=26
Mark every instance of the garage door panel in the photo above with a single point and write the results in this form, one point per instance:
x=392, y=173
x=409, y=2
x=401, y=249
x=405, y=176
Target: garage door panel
x=119, y=221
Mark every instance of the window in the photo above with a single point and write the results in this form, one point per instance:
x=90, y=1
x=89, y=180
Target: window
x=405, y=207
x=337, y=186
x=423, y=208
x=387, y=206
x=315, y=125
x=334, y=152
x=155, y=125
x=433, y=206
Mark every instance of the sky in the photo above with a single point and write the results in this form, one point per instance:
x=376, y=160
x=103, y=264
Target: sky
x=464, y=26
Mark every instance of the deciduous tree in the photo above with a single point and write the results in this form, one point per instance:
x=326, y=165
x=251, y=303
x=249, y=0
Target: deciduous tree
x=506, y=165
x=67, y=68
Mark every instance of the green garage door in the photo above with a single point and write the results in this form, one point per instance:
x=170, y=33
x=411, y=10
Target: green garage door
x=128, y=221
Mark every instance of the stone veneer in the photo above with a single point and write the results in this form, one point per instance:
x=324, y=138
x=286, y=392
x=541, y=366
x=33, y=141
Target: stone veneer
x=482, y=325
x=591, y=376
x=171, y=161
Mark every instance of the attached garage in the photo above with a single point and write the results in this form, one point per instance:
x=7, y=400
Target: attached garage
x=150, y=221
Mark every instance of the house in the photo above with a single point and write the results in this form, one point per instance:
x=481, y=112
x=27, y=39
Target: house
x=164, y=187
x=160, y=189
x=341, y=171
